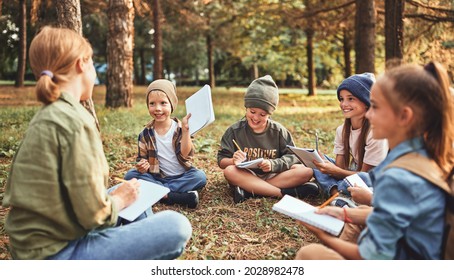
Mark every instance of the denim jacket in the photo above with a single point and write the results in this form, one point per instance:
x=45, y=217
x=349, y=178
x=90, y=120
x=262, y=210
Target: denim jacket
x=406, y=208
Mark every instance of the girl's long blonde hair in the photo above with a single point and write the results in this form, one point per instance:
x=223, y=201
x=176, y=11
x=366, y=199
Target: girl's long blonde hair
x=55, y=50
x=426, y=91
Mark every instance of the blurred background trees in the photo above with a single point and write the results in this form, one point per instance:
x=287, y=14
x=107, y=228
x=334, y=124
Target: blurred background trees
x=306, y=44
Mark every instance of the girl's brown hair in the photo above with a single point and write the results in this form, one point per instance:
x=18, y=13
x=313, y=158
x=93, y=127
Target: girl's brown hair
x=426, y=91
x=361, y=142
x=55, y=50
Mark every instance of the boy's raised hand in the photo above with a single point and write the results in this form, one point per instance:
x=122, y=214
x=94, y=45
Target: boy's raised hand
x=185, y=123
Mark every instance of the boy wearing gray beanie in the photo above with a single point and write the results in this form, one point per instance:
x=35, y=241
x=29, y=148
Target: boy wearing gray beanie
x=258, y=137
x=166, y=150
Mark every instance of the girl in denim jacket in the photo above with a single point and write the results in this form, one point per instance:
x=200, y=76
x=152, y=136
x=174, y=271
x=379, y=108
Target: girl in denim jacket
x=411, y=107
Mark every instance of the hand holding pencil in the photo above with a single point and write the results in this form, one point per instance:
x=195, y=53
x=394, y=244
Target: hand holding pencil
x=238, y=156
x=126, y=193
x=333, y=211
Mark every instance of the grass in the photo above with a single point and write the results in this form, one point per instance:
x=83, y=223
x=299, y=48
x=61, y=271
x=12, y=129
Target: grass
x=221, y=229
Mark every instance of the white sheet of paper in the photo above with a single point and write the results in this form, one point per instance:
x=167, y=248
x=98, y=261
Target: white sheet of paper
x=149, y=194
x=200, y=106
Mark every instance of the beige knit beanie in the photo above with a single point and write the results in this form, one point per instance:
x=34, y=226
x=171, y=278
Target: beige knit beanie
x=168, y=88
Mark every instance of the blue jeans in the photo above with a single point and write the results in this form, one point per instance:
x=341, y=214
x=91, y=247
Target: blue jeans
x=162, y=236
x=326, y=182
x=193, y=179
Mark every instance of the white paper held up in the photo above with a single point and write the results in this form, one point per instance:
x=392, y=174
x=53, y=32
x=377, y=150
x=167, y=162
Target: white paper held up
x=200, y=105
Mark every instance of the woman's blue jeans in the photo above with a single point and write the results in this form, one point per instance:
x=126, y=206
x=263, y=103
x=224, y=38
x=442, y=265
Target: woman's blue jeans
x=161, y=236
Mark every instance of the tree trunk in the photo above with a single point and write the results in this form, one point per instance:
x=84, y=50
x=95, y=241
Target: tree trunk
x=120, y=46
x=157, y=39
x=394, y=26
x=143, y=67
x=365, y=36
x=347, y=46
x=196, y=75
x=211, y=77
x=255, y=71
x=22, y=44
x=310, y=62
x=68, y=16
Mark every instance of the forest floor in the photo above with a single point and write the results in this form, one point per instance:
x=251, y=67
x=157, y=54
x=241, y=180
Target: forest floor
x=222, y=230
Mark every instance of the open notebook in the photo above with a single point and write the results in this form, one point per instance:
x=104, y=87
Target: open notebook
x=149, y=194
x=250, y=164
x=303, y=211
x=200, y=106
x=306, y=156
x=355, y=180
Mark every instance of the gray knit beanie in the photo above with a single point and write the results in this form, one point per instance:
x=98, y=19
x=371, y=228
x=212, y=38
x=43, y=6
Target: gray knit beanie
x=167, y=87
x=262, y=93
x=359, y=85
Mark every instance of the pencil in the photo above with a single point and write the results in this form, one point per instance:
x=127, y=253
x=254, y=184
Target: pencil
x=236, y=144
x=329, y=200
x=119, y=179
x=316, y=141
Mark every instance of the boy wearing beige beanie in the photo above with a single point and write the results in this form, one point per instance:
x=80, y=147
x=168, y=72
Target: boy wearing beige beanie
x=165, y=149
x=260, y=137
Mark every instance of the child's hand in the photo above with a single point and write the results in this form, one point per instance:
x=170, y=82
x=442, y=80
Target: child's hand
x=360, y=195
x=326, y=167
x=184, y=122
x=318, y=232
x=265, y=165
x=142, y=166
x=333, y=211
x=239, y=157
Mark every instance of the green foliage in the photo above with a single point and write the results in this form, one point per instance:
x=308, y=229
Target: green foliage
x=204, y=145
x=13, y=125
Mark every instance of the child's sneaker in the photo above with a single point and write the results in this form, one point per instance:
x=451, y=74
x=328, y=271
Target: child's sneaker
x=189, y=199
x=343, y=202
x=309, y=189
x=240, y=195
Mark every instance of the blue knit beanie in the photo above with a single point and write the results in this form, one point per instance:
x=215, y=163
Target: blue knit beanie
x=359, y=85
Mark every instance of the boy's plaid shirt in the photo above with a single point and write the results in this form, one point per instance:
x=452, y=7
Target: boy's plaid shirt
x=147, y=148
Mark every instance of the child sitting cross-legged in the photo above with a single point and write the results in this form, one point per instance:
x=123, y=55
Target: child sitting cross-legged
x=165, y=149
x=257, y=136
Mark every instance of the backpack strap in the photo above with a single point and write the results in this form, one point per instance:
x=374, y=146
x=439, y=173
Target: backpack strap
x=423, y=167
x=429, y=170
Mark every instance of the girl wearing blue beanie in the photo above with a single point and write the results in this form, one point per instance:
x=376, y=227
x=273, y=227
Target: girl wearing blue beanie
x=355, y=149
